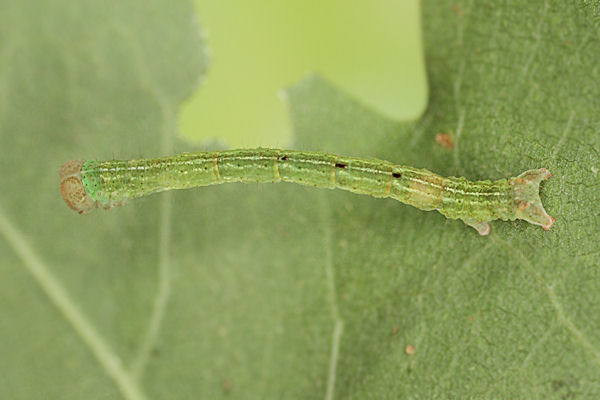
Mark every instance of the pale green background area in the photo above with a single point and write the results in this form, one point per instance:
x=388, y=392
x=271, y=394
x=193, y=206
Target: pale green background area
x=369, y=48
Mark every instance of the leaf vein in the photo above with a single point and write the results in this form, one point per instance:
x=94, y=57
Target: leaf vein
x=163, y=293
x=564, y=136
x=44, y=277
x=338, y=324
x=554, y=301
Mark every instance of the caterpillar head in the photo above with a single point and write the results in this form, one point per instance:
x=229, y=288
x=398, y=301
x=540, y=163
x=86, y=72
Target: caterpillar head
x=72, y=188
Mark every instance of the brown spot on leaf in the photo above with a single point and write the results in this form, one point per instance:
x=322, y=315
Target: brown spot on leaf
x=445, y=140
x=227, y=386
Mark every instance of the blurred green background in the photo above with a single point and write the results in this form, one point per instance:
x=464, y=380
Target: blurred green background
x=369, y=49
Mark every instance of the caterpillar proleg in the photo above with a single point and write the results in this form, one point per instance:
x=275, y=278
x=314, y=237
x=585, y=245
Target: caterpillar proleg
x=85, y=185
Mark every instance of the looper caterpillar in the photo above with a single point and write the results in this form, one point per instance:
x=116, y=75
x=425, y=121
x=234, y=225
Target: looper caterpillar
x=85, y=185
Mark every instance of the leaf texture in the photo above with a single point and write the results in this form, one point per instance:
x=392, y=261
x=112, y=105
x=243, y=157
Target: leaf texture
x=279, y=291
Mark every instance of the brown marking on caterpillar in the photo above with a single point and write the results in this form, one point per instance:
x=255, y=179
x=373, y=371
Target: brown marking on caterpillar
x=341, y=165
x=277, y=175
x=425, y=190
x=72, y=189
x=333, y=175
x=389, y=187
x=441, y=194
x=547, y=227
x=217, y=166
x=445, y=140
x=396, y=174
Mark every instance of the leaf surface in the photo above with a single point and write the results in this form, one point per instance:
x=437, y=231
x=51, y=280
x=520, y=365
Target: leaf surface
x=280, y=291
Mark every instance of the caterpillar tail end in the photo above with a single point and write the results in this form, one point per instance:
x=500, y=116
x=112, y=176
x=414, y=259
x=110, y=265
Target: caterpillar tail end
x=527, y=197
x=72, y=189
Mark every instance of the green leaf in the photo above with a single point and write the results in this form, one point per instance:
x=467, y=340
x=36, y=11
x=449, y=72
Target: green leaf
x=280, y=291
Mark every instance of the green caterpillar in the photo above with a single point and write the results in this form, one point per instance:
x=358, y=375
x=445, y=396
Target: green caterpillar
x=86, y=185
